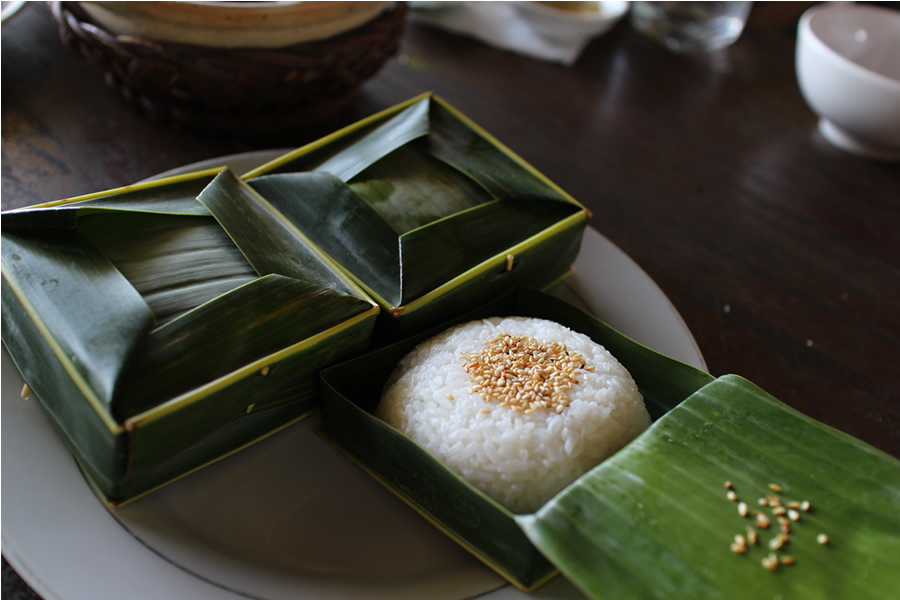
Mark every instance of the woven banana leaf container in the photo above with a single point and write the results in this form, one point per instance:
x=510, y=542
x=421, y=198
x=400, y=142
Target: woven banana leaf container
x=168, y=324
x=426, y=211
x=728, y=494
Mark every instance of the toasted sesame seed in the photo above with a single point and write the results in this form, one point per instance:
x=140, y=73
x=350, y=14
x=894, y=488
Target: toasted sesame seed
x=509, y=261
x=784, y=524
x=731, y=495
x=26, y=391
x=249, y=408
x=779, y=510
x=762, y=502
x=738, y=549
x=804, y=506
x=485, y=411
x=773, y=500
x=762, y=521
x=742, y=509
x=519, y=372
x=775, y=487
x=822, y=539
x=793, y=504
x=778, y=541
x=751, y=536
x=728, y=485
x=449, y=396
x=770, y=562
x=264, y=371
x=793, y=515
x=788, y=560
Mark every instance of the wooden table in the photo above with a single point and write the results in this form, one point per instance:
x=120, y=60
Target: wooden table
x=781, y=253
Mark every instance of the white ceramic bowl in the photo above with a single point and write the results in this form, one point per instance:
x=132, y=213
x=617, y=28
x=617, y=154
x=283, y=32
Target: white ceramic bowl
x=583, y=19
x=848, y=68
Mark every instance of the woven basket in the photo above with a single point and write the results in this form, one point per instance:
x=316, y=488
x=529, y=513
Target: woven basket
x=243, y=92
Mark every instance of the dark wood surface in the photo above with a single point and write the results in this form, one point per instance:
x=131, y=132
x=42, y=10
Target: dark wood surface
x=781, y=253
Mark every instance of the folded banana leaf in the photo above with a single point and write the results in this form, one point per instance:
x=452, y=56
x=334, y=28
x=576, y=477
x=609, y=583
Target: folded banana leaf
x=165, y=325
x=427, y=212
x=659, y=518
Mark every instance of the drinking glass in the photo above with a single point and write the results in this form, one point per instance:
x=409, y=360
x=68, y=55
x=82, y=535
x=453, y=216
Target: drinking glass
x=691, y=26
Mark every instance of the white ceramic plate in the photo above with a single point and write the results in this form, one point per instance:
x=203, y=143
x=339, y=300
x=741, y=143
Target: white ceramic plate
x=286, y=518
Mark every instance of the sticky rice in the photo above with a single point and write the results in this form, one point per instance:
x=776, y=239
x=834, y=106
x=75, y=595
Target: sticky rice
x=518, y=407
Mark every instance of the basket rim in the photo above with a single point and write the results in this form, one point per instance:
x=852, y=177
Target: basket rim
x=229, y=24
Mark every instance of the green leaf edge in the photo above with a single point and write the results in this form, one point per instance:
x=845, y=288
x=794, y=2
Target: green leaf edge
x=121, y=190
x=573, y=221
x=331, y=138
x=222, y=382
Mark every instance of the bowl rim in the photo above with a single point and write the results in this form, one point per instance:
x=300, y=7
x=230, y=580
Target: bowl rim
x=806, y=34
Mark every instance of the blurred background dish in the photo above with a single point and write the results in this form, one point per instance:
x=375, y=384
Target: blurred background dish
x=232, y=24
x=848, y=69
x=251, y=70
x=9, y=9
x=689, y=27
x=562, y=20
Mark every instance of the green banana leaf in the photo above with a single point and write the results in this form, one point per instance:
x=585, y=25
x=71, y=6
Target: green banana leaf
x=174, y=196
x=176, y=263
x=425, y=205
x=409, y=190
x=318, y=203
x=653, y=521
x=442, y=132
x=282, y=249
x=60, y=300
x=400, y=270
x=408, y=125
x=271, y=312
x=459, y=142
x=153, y=342
x=349, y=151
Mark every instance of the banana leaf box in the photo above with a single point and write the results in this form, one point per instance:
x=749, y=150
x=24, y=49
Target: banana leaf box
x=167, y=324
x=426, y=211
x=728, y=494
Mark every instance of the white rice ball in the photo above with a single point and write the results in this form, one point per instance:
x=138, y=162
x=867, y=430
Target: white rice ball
x=519, y=458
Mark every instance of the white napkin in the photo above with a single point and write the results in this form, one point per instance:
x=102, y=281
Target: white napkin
x=497, y=24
